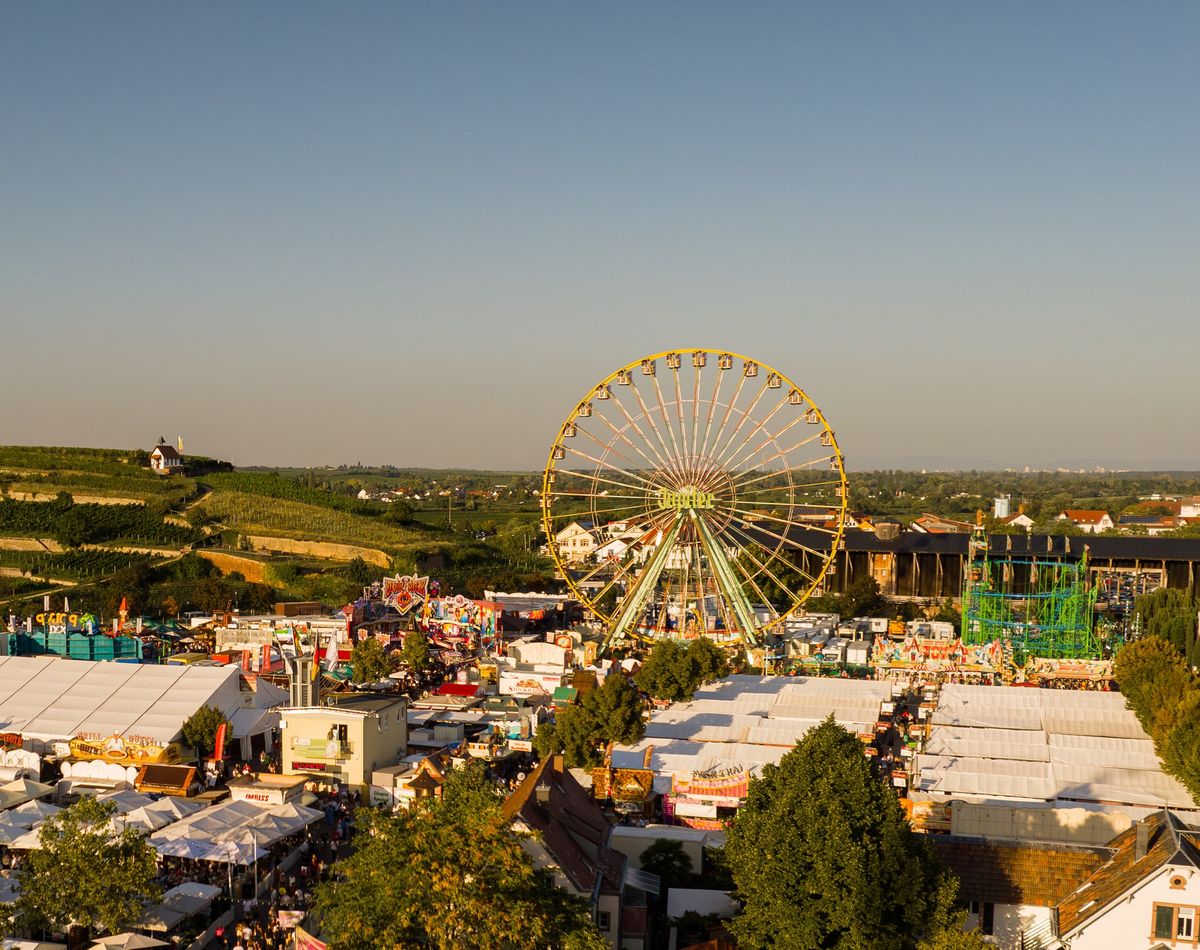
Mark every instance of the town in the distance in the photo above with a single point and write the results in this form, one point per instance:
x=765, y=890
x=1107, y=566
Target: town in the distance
x=697, y=683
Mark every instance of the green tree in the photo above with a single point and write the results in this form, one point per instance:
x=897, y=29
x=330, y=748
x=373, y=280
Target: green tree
x=669, y=861
x=369, y=662
x=448, y=874
x=1155, y=681
x=546, y=741
x=85, y=873
x=611, y=713
x=360, y=572
x=674, y=672
x=414, y=654
x=955, y=938
x=822, y=856
x=200, y=730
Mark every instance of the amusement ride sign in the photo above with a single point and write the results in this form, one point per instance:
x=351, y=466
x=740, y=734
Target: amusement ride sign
x=405, y=591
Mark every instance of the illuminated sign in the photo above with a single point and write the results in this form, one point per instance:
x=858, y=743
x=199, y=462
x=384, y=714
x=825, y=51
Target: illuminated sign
x=686, y=500
x=309, y=766
x=405, y=592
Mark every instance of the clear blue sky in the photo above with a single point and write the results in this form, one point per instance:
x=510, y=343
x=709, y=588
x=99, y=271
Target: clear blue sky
x=416, y=233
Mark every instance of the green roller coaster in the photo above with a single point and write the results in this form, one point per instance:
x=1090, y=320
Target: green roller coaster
x=1041, y=607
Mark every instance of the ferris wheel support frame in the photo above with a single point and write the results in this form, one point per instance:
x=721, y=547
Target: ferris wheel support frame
x=636, y=599
x=729, y=586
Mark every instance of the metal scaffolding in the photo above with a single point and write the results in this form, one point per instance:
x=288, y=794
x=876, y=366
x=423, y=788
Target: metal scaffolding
x=1041, y=607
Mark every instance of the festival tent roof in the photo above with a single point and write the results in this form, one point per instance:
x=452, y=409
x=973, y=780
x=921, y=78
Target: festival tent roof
x=51, y=698
x=1048, y=745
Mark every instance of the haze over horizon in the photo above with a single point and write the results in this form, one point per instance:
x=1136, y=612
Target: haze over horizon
x=417, y=235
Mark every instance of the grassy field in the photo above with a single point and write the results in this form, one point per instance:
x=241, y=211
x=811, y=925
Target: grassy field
x=256, y=514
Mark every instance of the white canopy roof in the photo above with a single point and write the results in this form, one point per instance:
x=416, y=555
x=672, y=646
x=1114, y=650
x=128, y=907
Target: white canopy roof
x=52, y=698
x=989, y=743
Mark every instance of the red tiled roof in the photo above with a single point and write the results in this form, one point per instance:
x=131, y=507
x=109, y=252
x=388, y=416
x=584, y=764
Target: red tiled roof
x=571, y=824
x=1169, y=842
x=1039, y=875
x=1084, y=515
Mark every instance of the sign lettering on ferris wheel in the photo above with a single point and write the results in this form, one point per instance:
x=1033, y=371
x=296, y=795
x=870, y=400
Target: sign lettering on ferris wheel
x=686, y=499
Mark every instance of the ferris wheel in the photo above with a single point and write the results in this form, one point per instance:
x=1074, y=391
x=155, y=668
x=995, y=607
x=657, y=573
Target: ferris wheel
x=694, y=493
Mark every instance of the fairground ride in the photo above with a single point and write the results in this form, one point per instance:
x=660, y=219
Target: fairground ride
x=694, y=492
x=1042, y=607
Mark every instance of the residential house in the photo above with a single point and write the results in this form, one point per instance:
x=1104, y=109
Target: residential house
x=565, y=832
x=1146, y=896
x=1011, y=888
x=1019, y=520
x=1091, y=522
x=576, y=541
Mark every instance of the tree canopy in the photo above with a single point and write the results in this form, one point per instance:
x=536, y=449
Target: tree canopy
x=1163, y=693
x=85, y=873
x=822, y=856
x=414, y=654
x=200, y=730
x=448, y=874
x=369, y=662
x=614, y=712
x=674, y=672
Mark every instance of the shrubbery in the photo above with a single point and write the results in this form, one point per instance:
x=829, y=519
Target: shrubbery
x=1161, y=689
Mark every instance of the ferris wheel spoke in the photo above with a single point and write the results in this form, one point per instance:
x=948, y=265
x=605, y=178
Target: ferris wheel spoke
x=735, y=509
x=727, y=580
x=687, y=452
x=747, y=413
x=666, y=419
x=815, y=460
x=667, y=458
x=751, y=578
x=774, y=438
x=632, y=422
x=608, y=465
x=696, y=415
x=749, y=544
x=791, y=543
x=712, y=409
x=739, y=485
x=609, y=449
x=723, y=460
x=592, y=477
x=621, y=434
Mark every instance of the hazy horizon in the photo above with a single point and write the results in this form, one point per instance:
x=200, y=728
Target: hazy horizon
x=299, y=234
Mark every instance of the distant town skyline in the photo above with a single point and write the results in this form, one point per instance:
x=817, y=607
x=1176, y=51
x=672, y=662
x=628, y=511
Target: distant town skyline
x=415, y=235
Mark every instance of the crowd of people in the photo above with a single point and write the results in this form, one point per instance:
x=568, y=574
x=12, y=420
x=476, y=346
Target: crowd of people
x=268, y=924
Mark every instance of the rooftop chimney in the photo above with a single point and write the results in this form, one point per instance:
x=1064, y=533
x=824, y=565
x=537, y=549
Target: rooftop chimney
x=1141, y=843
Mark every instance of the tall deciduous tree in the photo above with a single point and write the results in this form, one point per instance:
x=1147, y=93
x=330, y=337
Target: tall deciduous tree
x=674, y=672
x=369, y=662
x=415, y=652
x=200, y=730
x=86, y=873
x=822, y=856
x=614, y=712
x=448, y=874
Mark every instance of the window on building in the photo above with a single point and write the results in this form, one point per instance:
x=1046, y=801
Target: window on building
x=973, y=908
x=987, y=920
x=1172, y=922
x=603, y=921
x=1185, y=921
x=1164, y=920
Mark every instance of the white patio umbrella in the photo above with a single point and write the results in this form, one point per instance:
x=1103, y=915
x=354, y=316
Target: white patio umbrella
x=127, y=941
